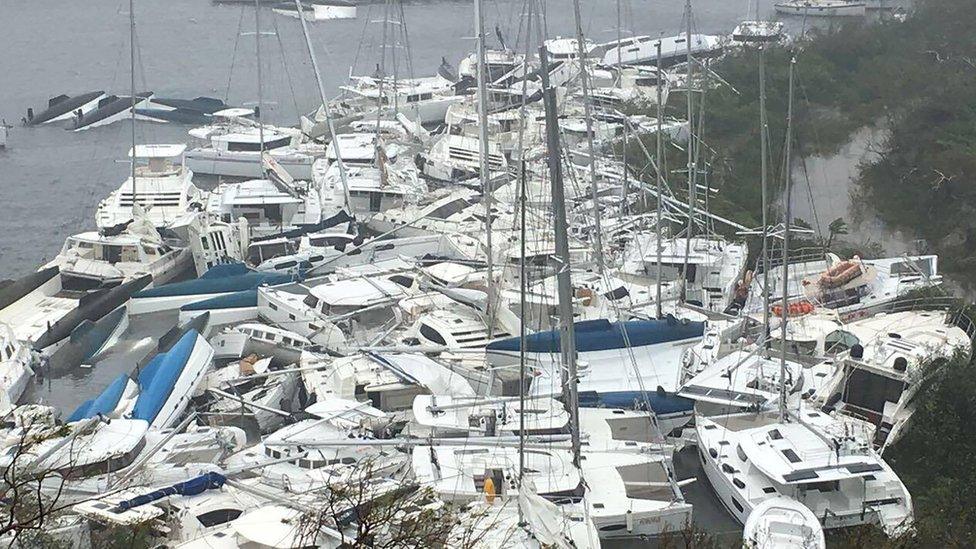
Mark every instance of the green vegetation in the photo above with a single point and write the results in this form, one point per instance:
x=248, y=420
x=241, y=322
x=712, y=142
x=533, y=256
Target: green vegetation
x=912, y=78
x=916, y=80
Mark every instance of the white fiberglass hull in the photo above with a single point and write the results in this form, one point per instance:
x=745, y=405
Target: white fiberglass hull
x=222, y=317
x=193, y=371
x=245, y=164
x=146, y=305
x=14, y=377
x=815, y=9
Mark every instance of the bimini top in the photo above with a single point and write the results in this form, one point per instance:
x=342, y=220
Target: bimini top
x=603, y=335
x=157, y=379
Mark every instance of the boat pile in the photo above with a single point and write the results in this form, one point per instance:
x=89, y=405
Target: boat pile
x=438, y=315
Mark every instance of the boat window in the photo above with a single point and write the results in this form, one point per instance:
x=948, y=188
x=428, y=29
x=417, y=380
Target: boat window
x=737, y=504
x=828, y=486
x=791, y=455
x=286, y=265
x=327, y=241
x=432, y=334
x=220, y=516
x=741, y=453
x=311, y=301
x=867, y=393
x=256, y=146
x=402, y=280
x=839, y=341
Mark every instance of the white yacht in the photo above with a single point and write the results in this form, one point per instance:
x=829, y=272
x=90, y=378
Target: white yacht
x=642, y=50
x=758, y=32
x=370, y=190
x=359, y=305
x=235, y=144
x=163, y=188
x=268, y=207
x=561, y=49
x=449, y=415
x=15, y=368
x=93, y=260
x=456, y=158
x=878, y=365
x=822, y=8
x=808, y=456
x=424, y=99
x=716, y=267
x=847, y=289
x=742, y=380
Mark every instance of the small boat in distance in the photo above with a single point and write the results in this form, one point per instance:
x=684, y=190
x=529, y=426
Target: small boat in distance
x=822, y=8
x=319, y=10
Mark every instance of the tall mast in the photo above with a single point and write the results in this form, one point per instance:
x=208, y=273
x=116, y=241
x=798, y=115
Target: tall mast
x=523, y=285
x=257, y=50
x=786, y=243
x=660, y=177
x=567, y=336
x=594, y=188
x=763, y=143
x=483, y=158
x=691, y=149
x=620, y=61
x=132, y=92
x=325, y=105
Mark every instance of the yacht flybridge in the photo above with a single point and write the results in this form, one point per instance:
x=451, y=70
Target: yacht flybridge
x=163, y=188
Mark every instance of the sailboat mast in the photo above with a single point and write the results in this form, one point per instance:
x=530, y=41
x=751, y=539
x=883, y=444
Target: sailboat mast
x=132, y=93
x=763, y=143
x=659, y=179
x=691, y=150
x=483, y=158
x=257, y=51
x=788, y=192
x=594, y=188
x=523, y=283
x=325, y=105
x=567, y=335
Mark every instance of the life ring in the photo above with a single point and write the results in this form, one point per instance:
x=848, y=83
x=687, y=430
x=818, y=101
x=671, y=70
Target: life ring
x=798, y=308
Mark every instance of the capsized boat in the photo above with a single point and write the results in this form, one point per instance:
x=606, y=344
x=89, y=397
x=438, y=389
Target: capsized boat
x=64, y=107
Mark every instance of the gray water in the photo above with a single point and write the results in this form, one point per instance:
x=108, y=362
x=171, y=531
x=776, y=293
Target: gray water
x=51, y=180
